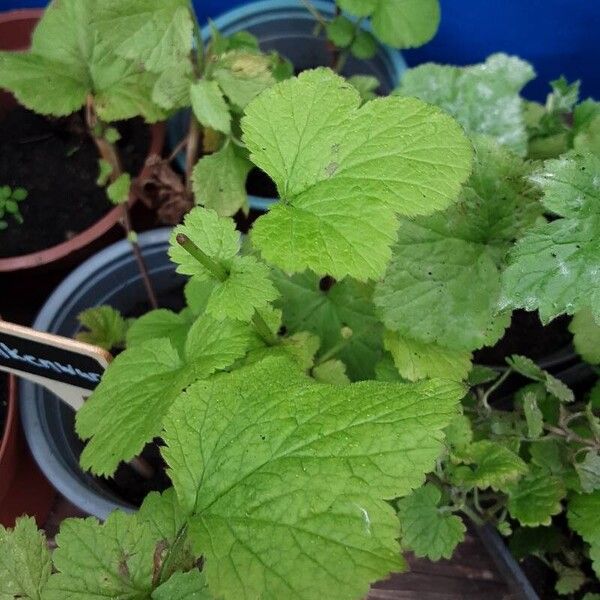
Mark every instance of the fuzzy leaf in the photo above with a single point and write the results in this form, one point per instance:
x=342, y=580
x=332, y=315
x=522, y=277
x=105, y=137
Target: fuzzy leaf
x=555, y=266
x=184, y=586
x=209, y=105
x=246, y=288
x=220, y=181
x=366, y=85
x=25, y=564
x=347, y=304
x=157, y=33
x=484, y=98
x=533, y=416
x=584, y=516
x=364, y=46
x=586, y=336
x=118, y=190
x=426, y=530
x=416, y=360
x=331, y=371
x=570, y=579
x=172, y=88
x=406, y=23
x=340, y=31
x=589, y=471
x=343, y=170
x=443, y=285
x=69, y=61
x=158, y=324
x=105, y=326
x=459, y=434
x=535, y=499
x=526, y=367
x=243, y=75
x=493, y=465
x=265, y=457
x=141, y=384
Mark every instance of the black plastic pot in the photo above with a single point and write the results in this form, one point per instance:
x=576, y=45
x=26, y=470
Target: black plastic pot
x=287, y=27
x=110, y=277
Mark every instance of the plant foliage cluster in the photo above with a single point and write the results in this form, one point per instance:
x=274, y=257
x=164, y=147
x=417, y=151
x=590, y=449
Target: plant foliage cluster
x=317, y=397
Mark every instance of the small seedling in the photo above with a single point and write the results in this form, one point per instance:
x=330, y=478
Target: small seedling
x=10, y=198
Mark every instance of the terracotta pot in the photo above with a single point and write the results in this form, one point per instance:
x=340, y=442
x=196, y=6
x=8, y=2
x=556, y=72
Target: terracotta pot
x=23, y=488
x=16, y=28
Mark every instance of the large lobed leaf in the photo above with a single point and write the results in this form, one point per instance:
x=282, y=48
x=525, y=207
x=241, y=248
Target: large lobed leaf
x=443, y=285
x=286, y=478
x=69, y=61
x=343, y=171
x=484, y=98
x=555, y=267
x=142, y=383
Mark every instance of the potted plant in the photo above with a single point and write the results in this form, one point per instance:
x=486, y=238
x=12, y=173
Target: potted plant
x=23, y=489
x=39, y=151
x=354, y=39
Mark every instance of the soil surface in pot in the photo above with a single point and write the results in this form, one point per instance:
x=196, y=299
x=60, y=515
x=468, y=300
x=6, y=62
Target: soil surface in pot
x=56, y=161
x=527, y=336
x=3, y=402
x=127, y=483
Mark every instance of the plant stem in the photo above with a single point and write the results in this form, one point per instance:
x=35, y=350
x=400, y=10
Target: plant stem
x=472, y=515
x=263, y=329
x=314, y=12
x=193, y=141
x=486, y=395
x=109, y=153
x=212, y=266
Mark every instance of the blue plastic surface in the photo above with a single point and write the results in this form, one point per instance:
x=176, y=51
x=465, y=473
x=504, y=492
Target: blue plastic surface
x=557, y=36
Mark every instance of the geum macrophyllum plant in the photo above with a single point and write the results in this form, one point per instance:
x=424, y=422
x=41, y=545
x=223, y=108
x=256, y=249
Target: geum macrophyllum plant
x=283, y=468
x=9, y=205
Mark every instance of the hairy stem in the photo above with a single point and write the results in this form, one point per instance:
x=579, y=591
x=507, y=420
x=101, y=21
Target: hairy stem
x=312, y=9
x=109, y=153
x=212, y=266
x=484, y=400
x=191, y=157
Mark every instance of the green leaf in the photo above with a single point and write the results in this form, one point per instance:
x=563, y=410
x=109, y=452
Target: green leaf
x=586, y=127
x=247, y=286
x=209, y=105
x=25, y=564
x=364, y=46
x=406, y=23
x=220, y=181
x=584, y=516
x=570, y=579
x=526, y=367
x=427, y=530
x=554, y=267
x=69, y=60
x=480, y=375
x=265, y=457
x=19, y=194
x=484, y=98
x=366, y=85
x=332, y=371
x=346, y=304
x=535, y=499
x=343, y=170
x=243, y=75
x=118, y=190
x=158, y=324
x=106, y=327
x=172, y=88
x=340, y=31
x=459, y=434
x=416, y=360
x=183, y=586
x=586, y=336
x=493, y=465
x=142, y=383
x=536, y=541
x=533, y=416
x=589, y=471
x=358, y=8
x=157, y=33
x=443, y=284
x=104, y=172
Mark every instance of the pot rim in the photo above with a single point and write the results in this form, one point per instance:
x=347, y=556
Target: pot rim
x=100, y=227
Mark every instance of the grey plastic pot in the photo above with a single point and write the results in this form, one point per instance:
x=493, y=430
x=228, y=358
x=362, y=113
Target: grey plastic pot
x=287, y=27
x=110, y=277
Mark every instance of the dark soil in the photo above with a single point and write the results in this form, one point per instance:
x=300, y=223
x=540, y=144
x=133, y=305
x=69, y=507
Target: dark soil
x=57, y=163
x=127, y=483
x=3, y=402
x=526, y=335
